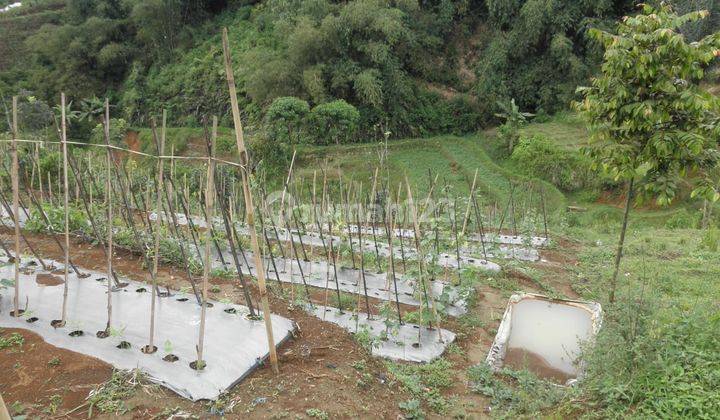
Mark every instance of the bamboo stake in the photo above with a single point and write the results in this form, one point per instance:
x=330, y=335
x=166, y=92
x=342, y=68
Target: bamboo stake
x=242, y=152
x=16, y=200
x=467, y=210
x=67, y=213
x=429, y=302
x=210, y=206
x=151, y=348
x=109, y=218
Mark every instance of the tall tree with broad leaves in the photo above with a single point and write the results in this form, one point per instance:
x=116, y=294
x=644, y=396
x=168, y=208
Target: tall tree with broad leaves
x=651, y=123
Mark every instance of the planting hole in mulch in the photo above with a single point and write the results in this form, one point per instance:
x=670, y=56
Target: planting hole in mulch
x=57, y=323
x=198, y=365
x=253, y=317
x=83, y=275
x=76, y=333
x=102, y=334
x=416, y=345
x=171, y=358
x=208, y=305
x=46, y=279
x=124, y=345
x=141, y=290
x=149, y=350
x=32, y=319
x=19, y=312
x=230, y=311
x=182, y=299
x=101, y=279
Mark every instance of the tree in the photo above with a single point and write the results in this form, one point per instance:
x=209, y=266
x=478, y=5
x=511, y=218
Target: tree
x=334, y=121
x=285, y=118
x=514, y=119
x=650, y=121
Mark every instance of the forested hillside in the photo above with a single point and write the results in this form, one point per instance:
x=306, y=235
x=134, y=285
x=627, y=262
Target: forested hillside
x=410, y=68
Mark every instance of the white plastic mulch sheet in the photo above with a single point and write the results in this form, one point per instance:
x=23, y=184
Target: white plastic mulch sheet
x=545, y=336
x=407, y=342
x=234, y=345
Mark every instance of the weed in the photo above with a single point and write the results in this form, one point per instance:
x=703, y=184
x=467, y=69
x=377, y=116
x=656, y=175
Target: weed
x=425, y=381
x=54, y=362
x=412, y=409
x=12, y=340
x=317, y=413
x=108, y=397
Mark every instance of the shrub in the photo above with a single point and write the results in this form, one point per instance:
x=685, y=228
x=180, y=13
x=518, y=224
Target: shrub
x=118, y=128
x=271, y=152
x=285, y=118
x=540, y=157
x=682, y=219
x=333, y=122
x=711, y=239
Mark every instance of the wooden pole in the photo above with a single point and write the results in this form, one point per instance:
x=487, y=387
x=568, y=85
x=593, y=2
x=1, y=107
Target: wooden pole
x=67, y=213
x=210, y=206
x=249, y=212
x=467, y=210
x=428, y=295
x=16, y=200
x=109, y=216
x=151, y=348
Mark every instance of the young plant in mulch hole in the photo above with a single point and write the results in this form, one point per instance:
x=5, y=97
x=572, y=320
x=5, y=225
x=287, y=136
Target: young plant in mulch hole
x=198, y=364
x=169, y=357
x=124, y=345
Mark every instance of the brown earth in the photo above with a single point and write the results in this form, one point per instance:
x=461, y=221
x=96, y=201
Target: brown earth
x=518, y=358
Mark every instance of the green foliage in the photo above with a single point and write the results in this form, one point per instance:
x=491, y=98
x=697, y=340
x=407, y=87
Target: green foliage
x=711, y=239
x=521, y=394
x=663, y=124
x=285, y=118
x=658, y=361
x=683, y=219
x=333, y=122
x=540, y=157
x=537, y=51
x=56, y=216
x=425, y=382
x=12, y=340
x=118, y=129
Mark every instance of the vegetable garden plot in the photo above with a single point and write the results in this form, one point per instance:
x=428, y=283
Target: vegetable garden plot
x=545, y=336
x=234, y=345
x=408, y=342
x=320, y=274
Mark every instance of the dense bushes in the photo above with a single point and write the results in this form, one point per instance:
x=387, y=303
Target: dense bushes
x=540, y=157
x=406, y=66
x=290, y=120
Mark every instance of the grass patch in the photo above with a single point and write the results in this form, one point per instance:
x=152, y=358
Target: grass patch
x=425, y=383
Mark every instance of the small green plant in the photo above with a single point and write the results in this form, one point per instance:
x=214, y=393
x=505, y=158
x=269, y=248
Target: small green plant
x=317, y=413
x=54, y=362
x=12, y=340
x=55, y=402
x=412, y=409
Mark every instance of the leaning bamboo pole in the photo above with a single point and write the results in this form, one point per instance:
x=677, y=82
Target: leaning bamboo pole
x=249, y=213
x=467, y=210
x=16, y=200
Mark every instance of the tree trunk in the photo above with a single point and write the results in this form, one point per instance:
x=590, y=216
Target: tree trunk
x=621, y=242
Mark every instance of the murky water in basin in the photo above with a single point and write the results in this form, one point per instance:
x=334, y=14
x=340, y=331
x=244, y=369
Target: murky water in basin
x=545, y=338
